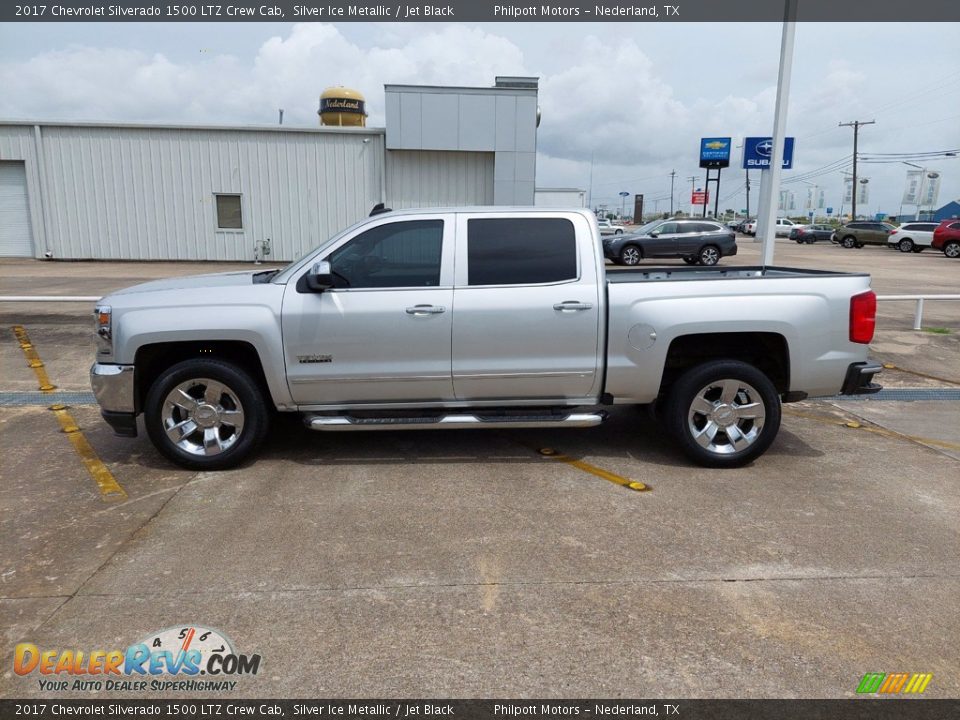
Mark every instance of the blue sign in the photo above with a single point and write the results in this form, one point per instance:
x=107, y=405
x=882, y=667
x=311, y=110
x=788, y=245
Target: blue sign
x=757, y=152
x=715, y=152
x=829, y=211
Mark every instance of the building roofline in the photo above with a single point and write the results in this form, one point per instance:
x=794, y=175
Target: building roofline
x=186, y=126
x=463, y=89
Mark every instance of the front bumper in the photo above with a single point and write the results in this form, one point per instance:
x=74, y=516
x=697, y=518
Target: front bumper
x=859, y=379
x=113, y=388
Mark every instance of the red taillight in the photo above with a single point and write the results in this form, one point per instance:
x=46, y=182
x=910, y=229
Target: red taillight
x=863, y=317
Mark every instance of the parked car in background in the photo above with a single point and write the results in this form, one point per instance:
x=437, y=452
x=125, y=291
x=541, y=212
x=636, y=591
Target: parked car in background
x=947, y=238
x=698, y=242
x=912, y=236
x=862, y=232
x=608, y=228
x=750, y=227
x=811, y=233
x=783, y=227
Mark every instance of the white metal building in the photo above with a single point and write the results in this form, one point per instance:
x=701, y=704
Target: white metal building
x=117, y=191
x=560, y=197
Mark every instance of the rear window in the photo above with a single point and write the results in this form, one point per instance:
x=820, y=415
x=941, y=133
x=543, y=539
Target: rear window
x=520, y=251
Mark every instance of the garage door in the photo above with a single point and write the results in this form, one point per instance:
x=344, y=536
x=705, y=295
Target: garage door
x=16, y=240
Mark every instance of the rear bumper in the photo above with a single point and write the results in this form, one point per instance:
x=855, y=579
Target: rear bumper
x=859, y=379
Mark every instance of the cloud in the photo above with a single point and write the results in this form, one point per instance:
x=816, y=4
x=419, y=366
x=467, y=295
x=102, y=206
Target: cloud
x=91, y=83
x=615, y=99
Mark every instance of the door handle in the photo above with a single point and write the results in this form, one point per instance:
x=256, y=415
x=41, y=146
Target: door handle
x=426, y=310
x=572, y=305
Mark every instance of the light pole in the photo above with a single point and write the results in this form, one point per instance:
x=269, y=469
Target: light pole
x=813, y=199
x=693, y=187
x=672, y=175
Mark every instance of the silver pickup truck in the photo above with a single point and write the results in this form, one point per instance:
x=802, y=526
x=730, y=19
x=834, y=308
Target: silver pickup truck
x=476, y=318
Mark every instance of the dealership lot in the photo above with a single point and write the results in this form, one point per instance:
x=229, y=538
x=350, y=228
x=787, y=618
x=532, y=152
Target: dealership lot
x=472, y=563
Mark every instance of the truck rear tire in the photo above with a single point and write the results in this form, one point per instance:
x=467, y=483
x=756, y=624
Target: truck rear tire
x=723, y=413
x=206, y=414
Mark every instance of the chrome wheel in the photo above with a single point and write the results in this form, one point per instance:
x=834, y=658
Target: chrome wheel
x=905, y=245
x=848, y=242
x=709, y=255
x=952, y=250
x=630, y=255
x=726, y=416
x=202, y=417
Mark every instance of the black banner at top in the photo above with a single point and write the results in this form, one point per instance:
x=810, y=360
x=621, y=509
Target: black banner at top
x=712, y=11
x=512, y=709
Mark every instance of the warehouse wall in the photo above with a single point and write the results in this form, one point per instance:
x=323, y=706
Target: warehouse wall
x=148, y=193
x=423, y=178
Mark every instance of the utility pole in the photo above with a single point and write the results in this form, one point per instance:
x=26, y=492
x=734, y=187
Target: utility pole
x=672, y=174
x=856, y=125
x=693, y=181
x=748, y=192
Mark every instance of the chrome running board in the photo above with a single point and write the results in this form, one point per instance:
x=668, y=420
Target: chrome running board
x=458, y=421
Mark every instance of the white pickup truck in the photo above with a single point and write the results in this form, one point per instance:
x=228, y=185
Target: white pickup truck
x=471, y=318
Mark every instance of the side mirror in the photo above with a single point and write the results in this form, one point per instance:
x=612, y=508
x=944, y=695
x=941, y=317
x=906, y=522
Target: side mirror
x=654, y=234
x=320, y=277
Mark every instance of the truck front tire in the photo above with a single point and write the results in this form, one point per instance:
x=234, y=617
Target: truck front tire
x=723, y=413
x=206, y=414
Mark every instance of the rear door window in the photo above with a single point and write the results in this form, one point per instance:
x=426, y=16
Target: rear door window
x=520, y=251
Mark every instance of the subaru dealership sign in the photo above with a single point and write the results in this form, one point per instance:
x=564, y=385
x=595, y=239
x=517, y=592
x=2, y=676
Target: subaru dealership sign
x=758, y=150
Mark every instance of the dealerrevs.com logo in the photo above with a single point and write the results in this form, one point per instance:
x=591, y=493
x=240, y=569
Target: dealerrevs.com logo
x=187, y=658
x=894, y=683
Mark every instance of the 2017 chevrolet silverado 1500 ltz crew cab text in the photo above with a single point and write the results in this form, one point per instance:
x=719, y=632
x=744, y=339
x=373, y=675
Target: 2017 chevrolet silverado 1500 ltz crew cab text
x=470, y=318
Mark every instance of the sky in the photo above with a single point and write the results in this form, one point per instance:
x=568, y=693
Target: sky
x=622, y=103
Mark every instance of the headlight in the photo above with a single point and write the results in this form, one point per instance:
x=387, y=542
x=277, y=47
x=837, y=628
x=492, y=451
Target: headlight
x=103, y=323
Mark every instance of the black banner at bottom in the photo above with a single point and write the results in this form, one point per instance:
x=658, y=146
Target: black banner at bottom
x=858, y=709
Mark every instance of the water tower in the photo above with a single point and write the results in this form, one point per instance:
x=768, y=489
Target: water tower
x=342, y=107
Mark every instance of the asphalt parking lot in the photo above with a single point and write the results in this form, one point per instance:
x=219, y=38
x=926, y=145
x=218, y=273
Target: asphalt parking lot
x=471, y=564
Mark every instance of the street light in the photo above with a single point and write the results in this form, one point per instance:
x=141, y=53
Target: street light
x=924, y=176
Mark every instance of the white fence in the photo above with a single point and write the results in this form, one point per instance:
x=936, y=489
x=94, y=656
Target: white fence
x=918, y=299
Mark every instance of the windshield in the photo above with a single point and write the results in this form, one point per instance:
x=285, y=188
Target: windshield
x=286, y=272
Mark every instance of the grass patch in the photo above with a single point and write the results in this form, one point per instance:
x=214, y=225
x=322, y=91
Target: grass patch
x=938, y=331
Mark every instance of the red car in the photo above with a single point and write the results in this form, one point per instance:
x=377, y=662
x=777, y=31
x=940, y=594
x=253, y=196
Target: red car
x=947, y=238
